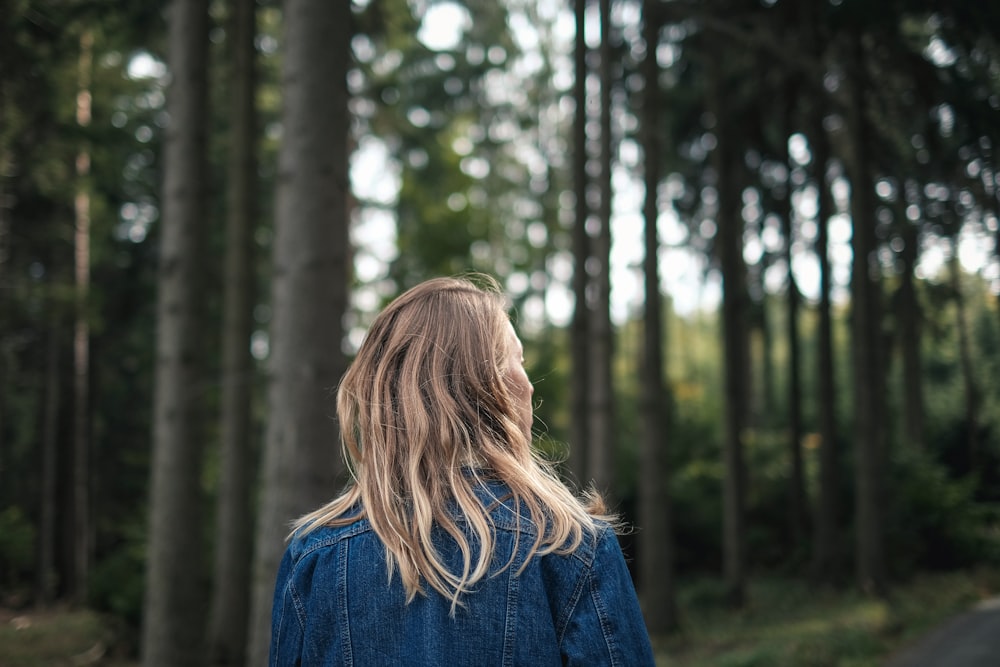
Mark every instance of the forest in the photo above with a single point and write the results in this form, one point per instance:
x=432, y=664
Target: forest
x=752, y=249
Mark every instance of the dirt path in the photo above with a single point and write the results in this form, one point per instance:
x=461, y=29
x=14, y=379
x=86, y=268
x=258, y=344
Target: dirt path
x=969, y=640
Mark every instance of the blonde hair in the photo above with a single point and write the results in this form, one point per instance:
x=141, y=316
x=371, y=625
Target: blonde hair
x=426, y=414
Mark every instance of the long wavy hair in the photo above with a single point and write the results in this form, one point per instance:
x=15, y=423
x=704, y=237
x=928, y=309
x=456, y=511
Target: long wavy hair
x=427, y=413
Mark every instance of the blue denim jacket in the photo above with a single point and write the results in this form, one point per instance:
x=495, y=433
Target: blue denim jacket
x=334, y=605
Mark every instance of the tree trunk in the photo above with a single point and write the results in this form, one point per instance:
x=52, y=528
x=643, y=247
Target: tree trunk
x=729, y=243
x=231, y=579
x=869, y=381
x=655, y=510
x=966, y=362
x=910, y=325
x=996, y=214
x=796, y=487
x=6, y=167
x=47, y=577
x=601, y=448
x=173, y=616
x=309, y=298
x=825, y=562
x=765, y=404
x=579, y=334
x=81, y=336
x=825, y=534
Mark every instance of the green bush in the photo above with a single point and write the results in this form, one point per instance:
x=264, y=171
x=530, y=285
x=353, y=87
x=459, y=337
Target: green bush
x=116, y=584
x=17, y=546
x=934, y=521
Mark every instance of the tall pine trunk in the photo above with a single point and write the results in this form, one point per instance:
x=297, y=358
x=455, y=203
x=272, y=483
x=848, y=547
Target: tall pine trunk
x=765, y=403
x=827, y=520
x=869, y=384
x=655, y=510
x=173, y=616
x=966, y=362
x=309, y=298
x=796, y=489
x=910, y=326
x=579, y=334
x=47, y=576
x=735, y=325
x=81, y=334
x=601, y=461
x=231, y=573
x=6, y=168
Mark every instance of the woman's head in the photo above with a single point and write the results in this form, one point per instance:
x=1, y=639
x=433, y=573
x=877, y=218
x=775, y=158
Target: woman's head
x=436, y=399
x=438, y=382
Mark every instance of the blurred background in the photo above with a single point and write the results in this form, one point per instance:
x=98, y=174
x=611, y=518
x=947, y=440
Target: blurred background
x=751, y=246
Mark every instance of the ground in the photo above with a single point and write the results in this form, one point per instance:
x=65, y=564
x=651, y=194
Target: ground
x=971, y=639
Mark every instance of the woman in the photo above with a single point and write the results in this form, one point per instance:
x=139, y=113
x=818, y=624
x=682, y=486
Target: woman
x=454, y=544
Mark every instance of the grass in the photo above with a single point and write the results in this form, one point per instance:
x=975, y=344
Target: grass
x=790, y=623
x=57, y=638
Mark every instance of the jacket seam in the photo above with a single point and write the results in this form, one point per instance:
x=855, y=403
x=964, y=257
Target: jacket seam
x=513, y=590
x=343, y=618
x=571, y=605
x=602, y=617
x=276, y=640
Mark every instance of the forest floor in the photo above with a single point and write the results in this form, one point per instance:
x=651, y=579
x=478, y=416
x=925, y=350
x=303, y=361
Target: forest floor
x=60, y=637
x=790, y=623
x=967, y=640
x=787, y=623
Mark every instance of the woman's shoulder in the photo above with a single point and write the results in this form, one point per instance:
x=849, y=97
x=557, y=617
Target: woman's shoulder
x=308, y=539
x=506, y=510
x=510, y=513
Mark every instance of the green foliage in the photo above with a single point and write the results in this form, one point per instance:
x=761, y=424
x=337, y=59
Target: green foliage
x=17, y=547
x=116, y=583
x=791, y=623
x=697, y=495
x=934, y=521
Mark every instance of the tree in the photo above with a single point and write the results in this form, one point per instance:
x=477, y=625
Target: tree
x=309, y=292
x=729, y=246
x=46, y=577
x=231, y=578
x=869, y=398
x=827, y=516
x=910, y=325
x=797, y=503
x=656, y=510
x=579, y=335
x=173, y=620
x=600, y=445
x=81, y=333
x=966, y=363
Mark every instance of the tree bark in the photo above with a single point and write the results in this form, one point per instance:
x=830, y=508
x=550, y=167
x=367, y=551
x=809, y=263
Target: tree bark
x=796, y=489
x=910, y=326
x=729, y=244
x=655, y=511
x=825, y=534
x=579, y=334
x=966, y=362
x=869, y=385
x=81, y=335
x=47, y=577
x=173, y=617
x=765, y=403
x=601, y=459
x=231, y=579
x=6, y=165
x=309, y=298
